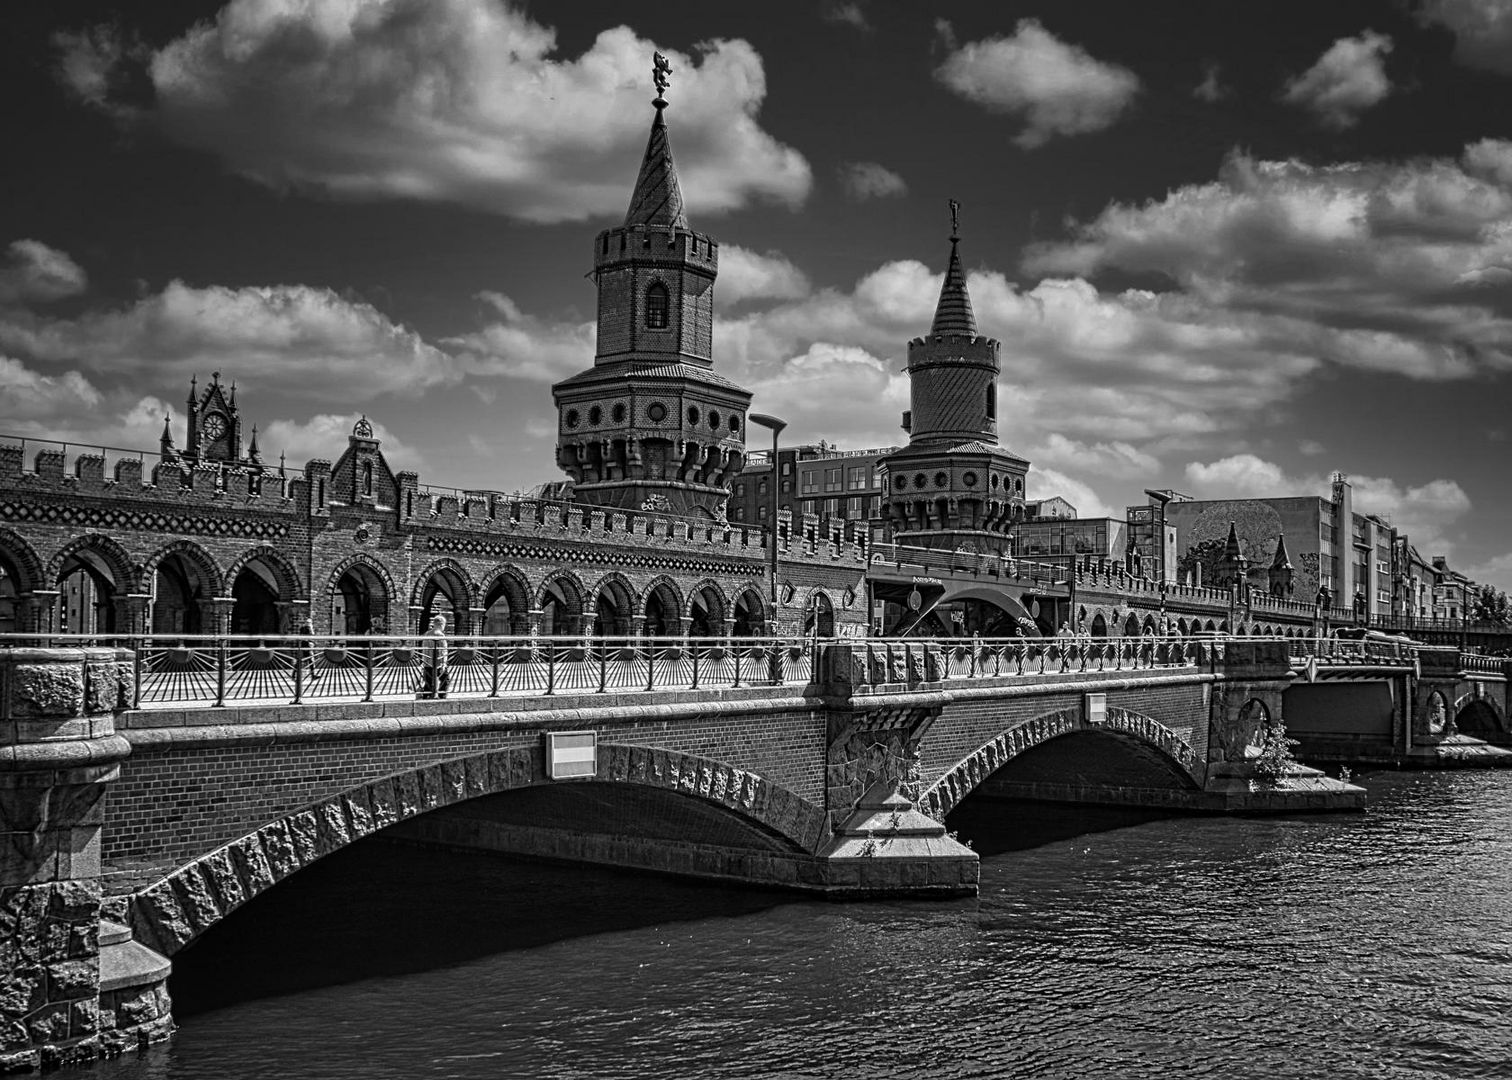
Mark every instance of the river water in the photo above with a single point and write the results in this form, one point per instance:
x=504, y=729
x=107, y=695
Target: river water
x=1103, y=945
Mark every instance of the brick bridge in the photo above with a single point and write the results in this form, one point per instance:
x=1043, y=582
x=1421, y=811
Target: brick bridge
x=828, y=767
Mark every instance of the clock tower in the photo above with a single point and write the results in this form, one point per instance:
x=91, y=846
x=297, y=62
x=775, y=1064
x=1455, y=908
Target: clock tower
x=214, y=423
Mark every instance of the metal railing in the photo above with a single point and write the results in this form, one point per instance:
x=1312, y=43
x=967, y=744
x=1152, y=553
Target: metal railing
x=205, y=671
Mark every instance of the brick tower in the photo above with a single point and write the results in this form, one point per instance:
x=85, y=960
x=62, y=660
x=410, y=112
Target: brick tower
x=953, y=486
x=651, y=425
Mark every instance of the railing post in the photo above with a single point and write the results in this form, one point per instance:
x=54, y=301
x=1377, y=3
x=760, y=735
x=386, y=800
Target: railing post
x=735, y=656
x=694, y=650
x=603, y=652
x=493, y=676
x=650, y=664
x=367, y=674
x=136, y=670
x=550, y=668
x=220, y=672
x=299, y=659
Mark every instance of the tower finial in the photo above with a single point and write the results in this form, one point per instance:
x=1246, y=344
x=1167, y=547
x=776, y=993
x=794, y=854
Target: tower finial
x=661, y=71
x=955, y=221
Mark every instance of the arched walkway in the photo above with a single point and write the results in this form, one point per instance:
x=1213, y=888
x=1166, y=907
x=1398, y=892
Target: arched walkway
x=21, y=573
x=443, y=588
x=1148, y=735
x=819, y=616
x=560, y=601
x=184, y=580
x=613, y=604
x=361, y=594
x=224, y=879
x=706, y=610
x=663, y=609
x=506, y=602
x=750, y=614
x=93, y=574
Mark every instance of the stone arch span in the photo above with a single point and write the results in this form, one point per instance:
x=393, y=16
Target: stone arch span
x=1479, y=715
x=971, y=771
x=170, y=914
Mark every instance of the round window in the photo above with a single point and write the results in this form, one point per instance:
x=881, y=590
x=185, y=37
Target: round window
x=995, y=481
x=619, y=412
x=969, y=479
x=571, y=418
x=900, y=482
x=713, y=420
x=692, y=415
x=919, y=480
x=595, y=414
x=657, y=412
x=941, y=479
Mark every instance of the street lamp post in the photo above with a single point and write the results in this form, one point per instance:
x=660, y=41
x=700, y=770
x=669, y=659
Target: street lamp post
x=776, y=426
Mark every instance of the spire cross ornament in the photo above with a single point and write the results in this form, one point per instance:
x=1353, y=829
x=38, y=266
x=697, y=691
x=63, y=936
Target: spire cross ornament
x=955, y=220
x=661, y=69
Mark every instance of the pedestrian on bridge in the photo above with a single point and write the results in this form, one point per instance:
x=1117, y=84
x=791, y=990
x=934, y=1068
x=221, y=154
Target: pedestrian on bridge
x=435, y=657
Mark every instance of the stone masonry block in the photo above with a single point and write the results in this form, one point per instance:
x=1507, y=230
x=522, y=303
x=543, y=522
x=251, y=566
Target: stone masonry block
x=252, y=864
x=46, y=690
x=218, y=867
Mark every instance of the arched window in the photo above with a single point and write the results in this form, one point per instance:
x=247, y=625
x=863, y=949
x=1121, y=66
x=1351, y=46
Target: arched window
x=367, y=477
x=992, y=401
x=656, y=307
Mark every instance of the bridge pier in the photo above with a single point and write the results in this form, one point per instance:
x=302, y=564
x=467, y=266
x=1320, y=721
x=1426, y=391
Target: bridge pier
x=74, y=987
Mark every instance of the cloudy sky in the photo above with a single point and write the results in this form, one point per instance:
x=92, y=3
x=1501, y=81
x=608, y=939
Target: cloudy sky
x=1227, y=247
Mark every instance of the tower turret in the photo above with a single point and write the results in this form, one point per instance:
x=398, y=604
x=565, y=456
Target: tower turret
x=1233, y=568
x=651, y=425
x=1280, y=574
x=953, y=485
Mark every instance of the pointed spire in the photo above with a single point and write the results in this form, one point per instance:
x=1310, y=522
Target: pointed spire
x=167, y=439
x=252, y=451
x=1282, y=561
x=953, y=314
x=1231, y=547
x=657, y=199
x=193, y=388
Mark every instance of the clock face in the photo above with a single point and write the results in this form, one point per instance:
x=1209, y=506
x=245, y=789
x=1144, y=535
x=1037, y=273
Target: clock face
x=214, y=426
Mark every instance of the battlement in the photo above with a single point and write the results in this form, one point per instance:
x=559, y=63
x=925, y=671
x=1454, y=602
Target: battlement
x=655, y=243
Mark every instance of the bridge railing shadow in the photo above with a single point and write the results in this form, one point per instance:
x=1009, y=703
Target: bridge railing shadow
x=197, y=670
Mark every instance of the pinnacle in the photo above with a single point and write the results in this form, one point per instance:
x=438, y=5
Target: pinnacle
x=658, y=196
x=953, y=315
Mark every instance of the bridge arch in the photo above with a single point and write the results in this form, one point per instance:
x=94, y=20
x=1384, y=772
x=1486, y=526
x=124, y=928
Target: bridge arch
x=176, y=910
x=93, y=573
x=361, y=590
x=444, y=588
x=184, y=577
x=708, y=609
x=1143, y=733
x=750, y=612
x=662, y=605
x=20, y=573
x=613, y=605
x=561, y=602
x=1481, y=717
x=505, y=593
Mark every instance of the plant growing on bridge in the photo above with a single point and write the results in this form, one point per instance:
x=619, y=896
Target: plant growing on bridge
x=1276, y=758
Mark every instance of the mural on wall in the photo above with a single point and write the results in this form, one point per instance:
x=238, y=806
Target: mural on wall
x=1306, y=577
x=1257, y=525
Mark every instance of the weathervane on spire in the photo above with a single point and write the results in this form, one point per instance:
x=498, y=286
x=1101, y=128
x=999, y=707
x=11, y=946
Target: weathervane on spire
x=955, y=220
x=661, y=69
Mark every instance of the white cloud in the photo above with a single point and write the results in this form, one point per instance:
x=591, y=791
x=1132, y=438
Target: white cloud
x=461, y=101
x=1428, y=513
x=1117, y=459
x=325, y=436
x=524, y=345
x=27, y=395
x=1388, y=267
x=32, y=271
x=862, y=180
x=1043, y=483
x=851, y=14
x=1482, y=30
x=1490, y=160
x=334, y=348
x=1347, y=79
x=1495, y=571
x=749, y=275
x=1210, y=89
x=1058, y=89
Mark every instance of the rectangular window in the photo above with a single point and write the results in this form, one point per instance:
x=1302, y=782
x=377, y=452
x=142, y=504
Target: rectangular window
x=832, y=479
x=740, y=491
x=857, y=477
x=810, y=480
x=831, y=507
x=761, y=513
x=854, y=507
x=761, y=487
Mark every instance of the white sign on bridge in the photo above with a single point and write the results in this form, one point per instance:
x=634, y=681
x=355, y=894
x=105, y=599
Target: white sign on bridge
x=571, y=755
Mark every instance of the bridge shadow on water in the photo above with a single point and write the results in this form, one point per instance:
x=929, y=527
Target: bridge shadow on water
x=385, y=908
x=996, y=826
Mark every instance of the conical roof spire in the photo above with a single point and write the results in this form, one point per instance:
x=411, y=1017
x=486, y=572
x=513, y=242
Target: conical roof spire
x=658, y=196
x=1231, y=548
x=953, y=314
x=167, y=439
x=1282, y=561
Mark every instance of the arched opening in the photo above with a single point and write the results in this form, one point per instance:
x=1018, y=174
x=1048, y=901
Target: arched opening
x=1149, y=626
x=612, y=609
x=1181, y=627
x=706, y=613
x=445, y=593
x=88, y=585
x=561, y=608
x=750, y=615
x=1210, y=627
x=657, y=307
x=10, y=596
x=255, y=596
x=1131, y=626
x=360, y=602
x=819, y=617
x=1478, y=719
x=505, y=606
x=663, y=611
x=1099, y=625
